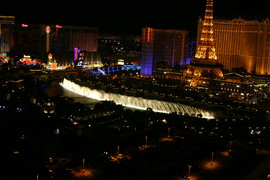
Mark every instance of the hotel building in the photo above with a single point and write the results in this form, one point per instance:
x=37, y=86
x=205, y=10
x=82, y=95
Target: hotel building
x=65, y=39
x=242, y=44
x=168, y=47
x=41, y=41
x=6, y=23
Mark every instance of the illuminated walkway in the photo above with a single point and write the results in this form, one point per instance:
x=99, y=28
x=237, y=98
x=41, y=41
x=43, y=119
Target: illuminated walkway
x=135, y=102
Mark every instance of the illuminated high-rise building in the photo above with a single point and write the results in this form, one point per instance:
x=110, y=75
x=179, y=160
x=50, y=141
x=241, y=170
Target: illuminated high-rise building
x=6, y=24
x=115, y=47
x=66, y=38
x=158, y=45
x=29, y=40
x=205, y=65
x=242, y=44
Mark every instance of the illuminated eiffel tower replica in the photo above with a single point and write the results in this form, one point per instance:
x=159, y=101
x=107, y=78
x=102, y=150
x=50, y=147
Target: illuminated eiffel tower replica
x=204, y=65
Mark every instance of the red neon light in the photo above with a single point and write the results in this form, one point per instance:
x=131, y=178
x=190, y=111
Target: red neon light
x=58, y=26
x=24, y=25
x=50, y=56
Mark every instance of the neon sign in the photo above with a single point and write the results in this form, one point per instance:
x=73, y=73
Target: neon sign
x=24, y=25
x=50, y=56
x=58, y=26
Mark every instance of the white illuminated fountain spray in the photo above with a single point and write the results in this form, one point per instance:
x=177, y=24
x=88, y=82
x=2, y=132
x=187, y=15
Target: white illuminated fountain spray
x=135, y=102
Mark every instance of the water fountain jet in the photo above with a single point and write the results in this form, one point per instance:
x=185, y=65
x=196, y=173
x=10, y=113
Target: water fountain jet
x=135, y=102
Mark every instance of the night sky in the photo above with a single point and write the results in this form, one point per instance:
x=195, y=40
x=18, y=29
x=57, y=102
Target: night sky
x=130, y=16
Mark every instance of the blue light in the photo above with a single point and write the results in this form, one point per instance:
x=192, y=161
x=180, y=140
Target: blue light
x=147, y=66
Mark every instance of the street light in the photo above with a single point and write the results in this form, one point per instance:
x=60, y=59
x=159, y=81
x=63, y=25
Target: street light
x=230, y=147
x=189, y=167
x=83, y=162
x=118, y=149
x=212, y=158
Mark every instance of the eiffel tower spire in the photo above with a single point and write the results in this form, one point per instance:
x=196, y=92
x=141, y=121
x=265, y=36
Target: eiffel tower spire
x=206, y=48
x=204, y=66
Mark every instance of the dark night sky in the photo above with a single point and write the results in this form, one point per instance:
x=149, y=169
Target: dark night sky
x=130, y=16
